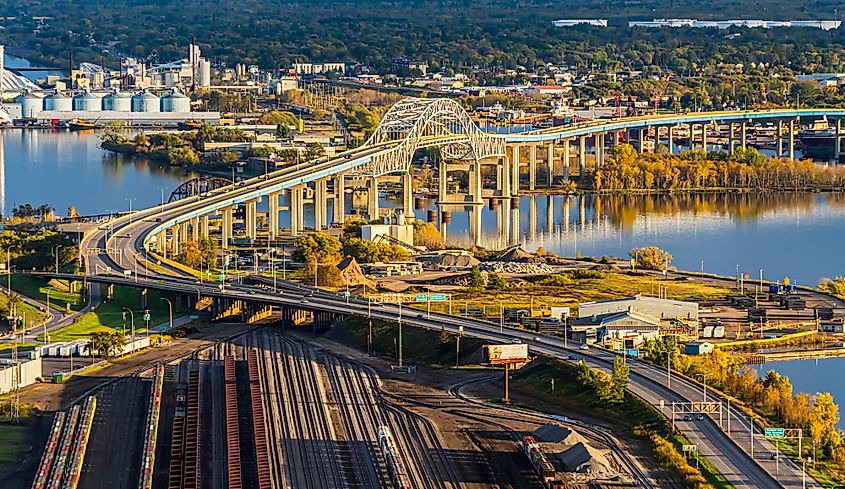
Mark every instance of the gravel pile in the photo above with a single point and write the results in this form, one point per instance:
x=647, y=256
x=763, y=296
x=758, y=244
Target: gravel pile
x=516, y=267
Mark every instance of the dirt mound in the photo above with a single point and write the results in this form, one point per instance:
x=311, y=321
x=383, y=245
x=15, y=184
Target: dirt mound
x=583, y=458
x=554, y=433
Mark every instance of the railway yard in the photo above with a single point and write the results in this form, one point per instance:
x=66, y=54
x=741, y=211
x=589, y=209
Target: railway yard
x=269, y=409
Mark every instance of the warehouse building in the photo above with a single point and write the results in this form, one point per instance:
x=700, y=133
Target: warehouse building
x=651, y=306
x=29, y=371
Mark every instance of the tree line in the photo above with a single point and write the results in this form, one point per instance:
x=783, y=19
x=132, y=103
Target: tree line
x=626, y=169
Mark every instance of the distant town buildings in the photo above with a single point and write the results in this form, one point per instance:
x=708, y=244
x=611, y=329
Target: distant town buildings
x=725, y=24
x=318, y=68
x=574, y=22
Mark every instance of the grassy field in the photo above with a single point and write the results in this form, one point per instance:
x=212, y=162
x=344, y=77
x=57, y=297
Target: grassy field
x=7, y=347
x=13, y=443
x=610, y=285
x=110, y=314
x=37, y=288
x=31, y=314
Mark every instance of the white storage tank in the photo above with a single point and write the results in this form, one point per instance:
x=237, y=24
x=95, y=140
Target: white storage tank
x=145, y=102
x=204, y=75
x=58, y=102
x=175, y=102
x=88, y=102
x=31, y=104
x=118, y=101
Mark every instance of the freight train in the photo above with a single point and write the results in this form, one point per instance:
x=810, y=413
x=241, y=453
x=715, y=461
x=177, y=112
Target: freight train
x=540, y=462
x=393, y=459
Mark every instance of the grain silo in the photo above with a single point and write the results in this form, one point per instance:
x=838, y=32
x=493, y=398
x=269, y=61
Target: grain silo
x=87, y=102
x=31, y=104
x=58, y=102
x=145, y=102
x=175, y=102
x=118, y=101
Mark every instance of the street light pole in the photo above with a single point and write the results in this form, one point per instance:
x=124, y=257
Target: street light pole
x=400, y=334
x=501, y=317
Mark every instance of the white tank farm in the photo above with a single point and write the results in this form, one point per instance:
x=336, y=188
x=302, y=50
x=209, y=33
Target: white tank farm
x=31, y=104
x=175, y=102
x=87, y=102
x=145, y=102
x=58, y=102
x=118, y=101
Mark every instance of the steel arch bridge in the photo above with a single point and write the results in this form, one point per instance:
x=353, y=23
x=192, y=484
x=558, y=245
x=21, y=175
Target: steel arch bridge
x=198, y=186
x=416, y=123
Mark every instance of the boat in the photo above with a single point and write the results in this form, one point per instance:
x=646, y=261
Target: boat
x=189, y=125
x=562, y=115
x=818, y=140
x=80, y=125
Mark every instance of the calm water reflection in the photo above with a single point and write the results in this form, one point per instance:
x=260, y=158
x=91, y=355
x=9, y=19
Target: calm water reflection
x=787, y=234
x=63, y=168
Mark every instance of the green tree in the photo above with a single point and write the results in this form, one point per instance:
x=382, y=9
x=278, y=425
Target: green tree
x=495, y=281
x=314, y=151
x=619, y=379
x=476, y=280
x=107, y=343
x=112, y=132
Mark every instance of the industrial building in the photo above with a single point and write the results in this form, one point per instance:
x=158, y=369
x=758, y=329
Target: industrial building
x=652, y=306
x=698, y=348
x=28, y=373
x=574, y=22
x=824, y=25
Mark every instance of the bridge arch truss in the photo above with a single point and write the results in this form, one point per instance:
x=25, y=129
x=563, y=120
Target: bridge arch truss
x=198, y=186
x=420, y=123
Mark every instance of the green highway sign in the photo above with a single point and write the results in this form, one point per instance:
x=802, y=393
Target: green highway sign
x=774, y=432
x=347, y=293
x=117, y=328
x=437, y=297
x=221, y=277
x=147, y=317
x=421, y=297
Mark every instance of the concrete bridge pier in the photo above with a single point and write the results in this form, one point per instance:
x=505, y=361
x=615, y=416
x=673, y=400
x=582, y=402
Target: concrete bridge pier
x=226, y=226
x=514, y=224
x=791, y=139
x=195, y=229
x=408, y=192
x=600, y=153
x=550, y=163
x=513, y=171
x=704, y=137
x=339, y=198
x=566, y=160
x=204, y=226
x=670, y=139
x=272, y=216
x=161, y=242
x=641, y=140
x=372, y=195
x=838, y=140
x=251, y=218
x=732, y=136
x=320, y=198
x=442, y=177
x=174, y=240
x=582, y=155
x=296, y=211
x=780, y=138
x=532, y=167
x=184, y=233
x=743, y=134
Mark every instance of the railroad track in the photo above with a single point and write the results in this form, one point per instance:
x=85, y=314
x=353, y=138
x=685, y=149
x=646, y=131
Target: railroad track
x=588, y=432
